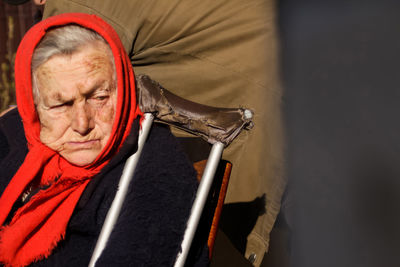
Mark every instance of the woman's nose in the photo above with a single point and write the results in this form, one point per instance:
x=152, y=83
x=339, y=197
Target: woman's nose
x=82, y=121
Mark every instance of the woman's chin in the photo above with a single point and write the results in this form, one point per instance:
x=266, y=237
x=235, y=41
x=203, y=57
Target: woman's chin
x=81, y=157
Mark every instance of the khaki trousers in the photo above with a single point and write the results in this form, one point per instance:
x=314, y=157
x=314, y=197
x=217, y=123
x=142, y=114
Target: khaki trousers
x=216, y=52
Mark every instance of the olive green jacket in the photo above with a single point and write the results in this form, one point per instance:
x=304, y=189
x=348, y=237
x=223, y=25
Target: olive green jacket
x=216, y=52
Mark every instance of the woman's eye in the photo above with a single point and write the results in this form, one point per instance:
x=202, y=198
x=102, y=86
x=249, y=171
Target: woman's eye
x=101, y=97
x=98, y=99
x=59, y=105
x=62, y=105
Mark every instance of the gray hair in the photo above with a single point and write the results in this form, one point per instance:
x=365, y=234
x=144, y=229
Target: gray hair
x=65, y=40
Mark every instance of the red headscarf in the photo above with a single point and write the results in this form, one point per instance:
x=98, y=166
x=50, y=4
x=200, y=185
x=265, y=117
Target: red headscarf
x=40, y=224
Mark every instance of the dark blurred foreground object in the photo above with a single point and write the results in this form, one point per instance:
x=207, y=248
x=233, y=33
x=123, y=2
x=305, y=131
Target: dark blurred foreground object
x=342, y=105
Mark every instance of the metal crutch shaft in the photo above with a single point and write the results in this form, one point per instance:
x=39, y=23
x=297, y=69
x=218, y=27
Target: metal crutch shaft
x=199, y=202
x=123, y=185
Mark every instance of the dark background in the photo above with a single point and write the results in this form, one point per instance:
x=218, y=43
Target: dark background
x=341, y=75
x=14, y=22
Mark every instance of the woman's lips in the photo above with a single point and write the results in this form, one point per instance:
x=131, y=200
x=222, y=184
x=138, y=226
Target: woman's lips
x=83, y=144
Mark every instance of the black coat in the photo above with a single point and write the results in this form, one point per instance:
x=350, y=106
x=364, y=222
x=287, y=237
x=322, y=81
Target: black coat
x=153, y=218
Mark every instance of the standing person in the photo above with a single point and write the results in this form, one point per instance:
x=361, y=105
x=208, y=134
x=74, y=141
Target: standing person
x=217, y=50
x=219, y=53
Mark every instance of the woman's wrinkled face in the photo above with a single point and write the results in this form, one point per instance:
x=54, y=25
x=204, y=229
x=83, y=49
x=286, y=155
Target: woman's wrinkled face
x=77, y=102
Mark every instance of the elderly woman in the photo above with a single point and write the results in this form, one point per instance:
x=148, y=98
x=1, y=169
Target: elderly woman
x=59, y=171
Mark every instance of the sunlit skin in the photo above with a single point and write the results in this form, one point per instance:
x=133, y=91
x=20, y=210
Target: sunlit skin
x=76, y=103
x=39, y=2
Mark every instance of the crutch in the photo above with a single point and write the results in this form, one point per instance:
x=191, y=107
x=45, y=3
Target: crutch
x=218, y=126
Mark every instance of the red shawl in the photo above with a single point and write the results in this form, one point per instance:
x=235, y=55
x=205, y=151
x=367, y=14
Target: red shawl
x=37, y=227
